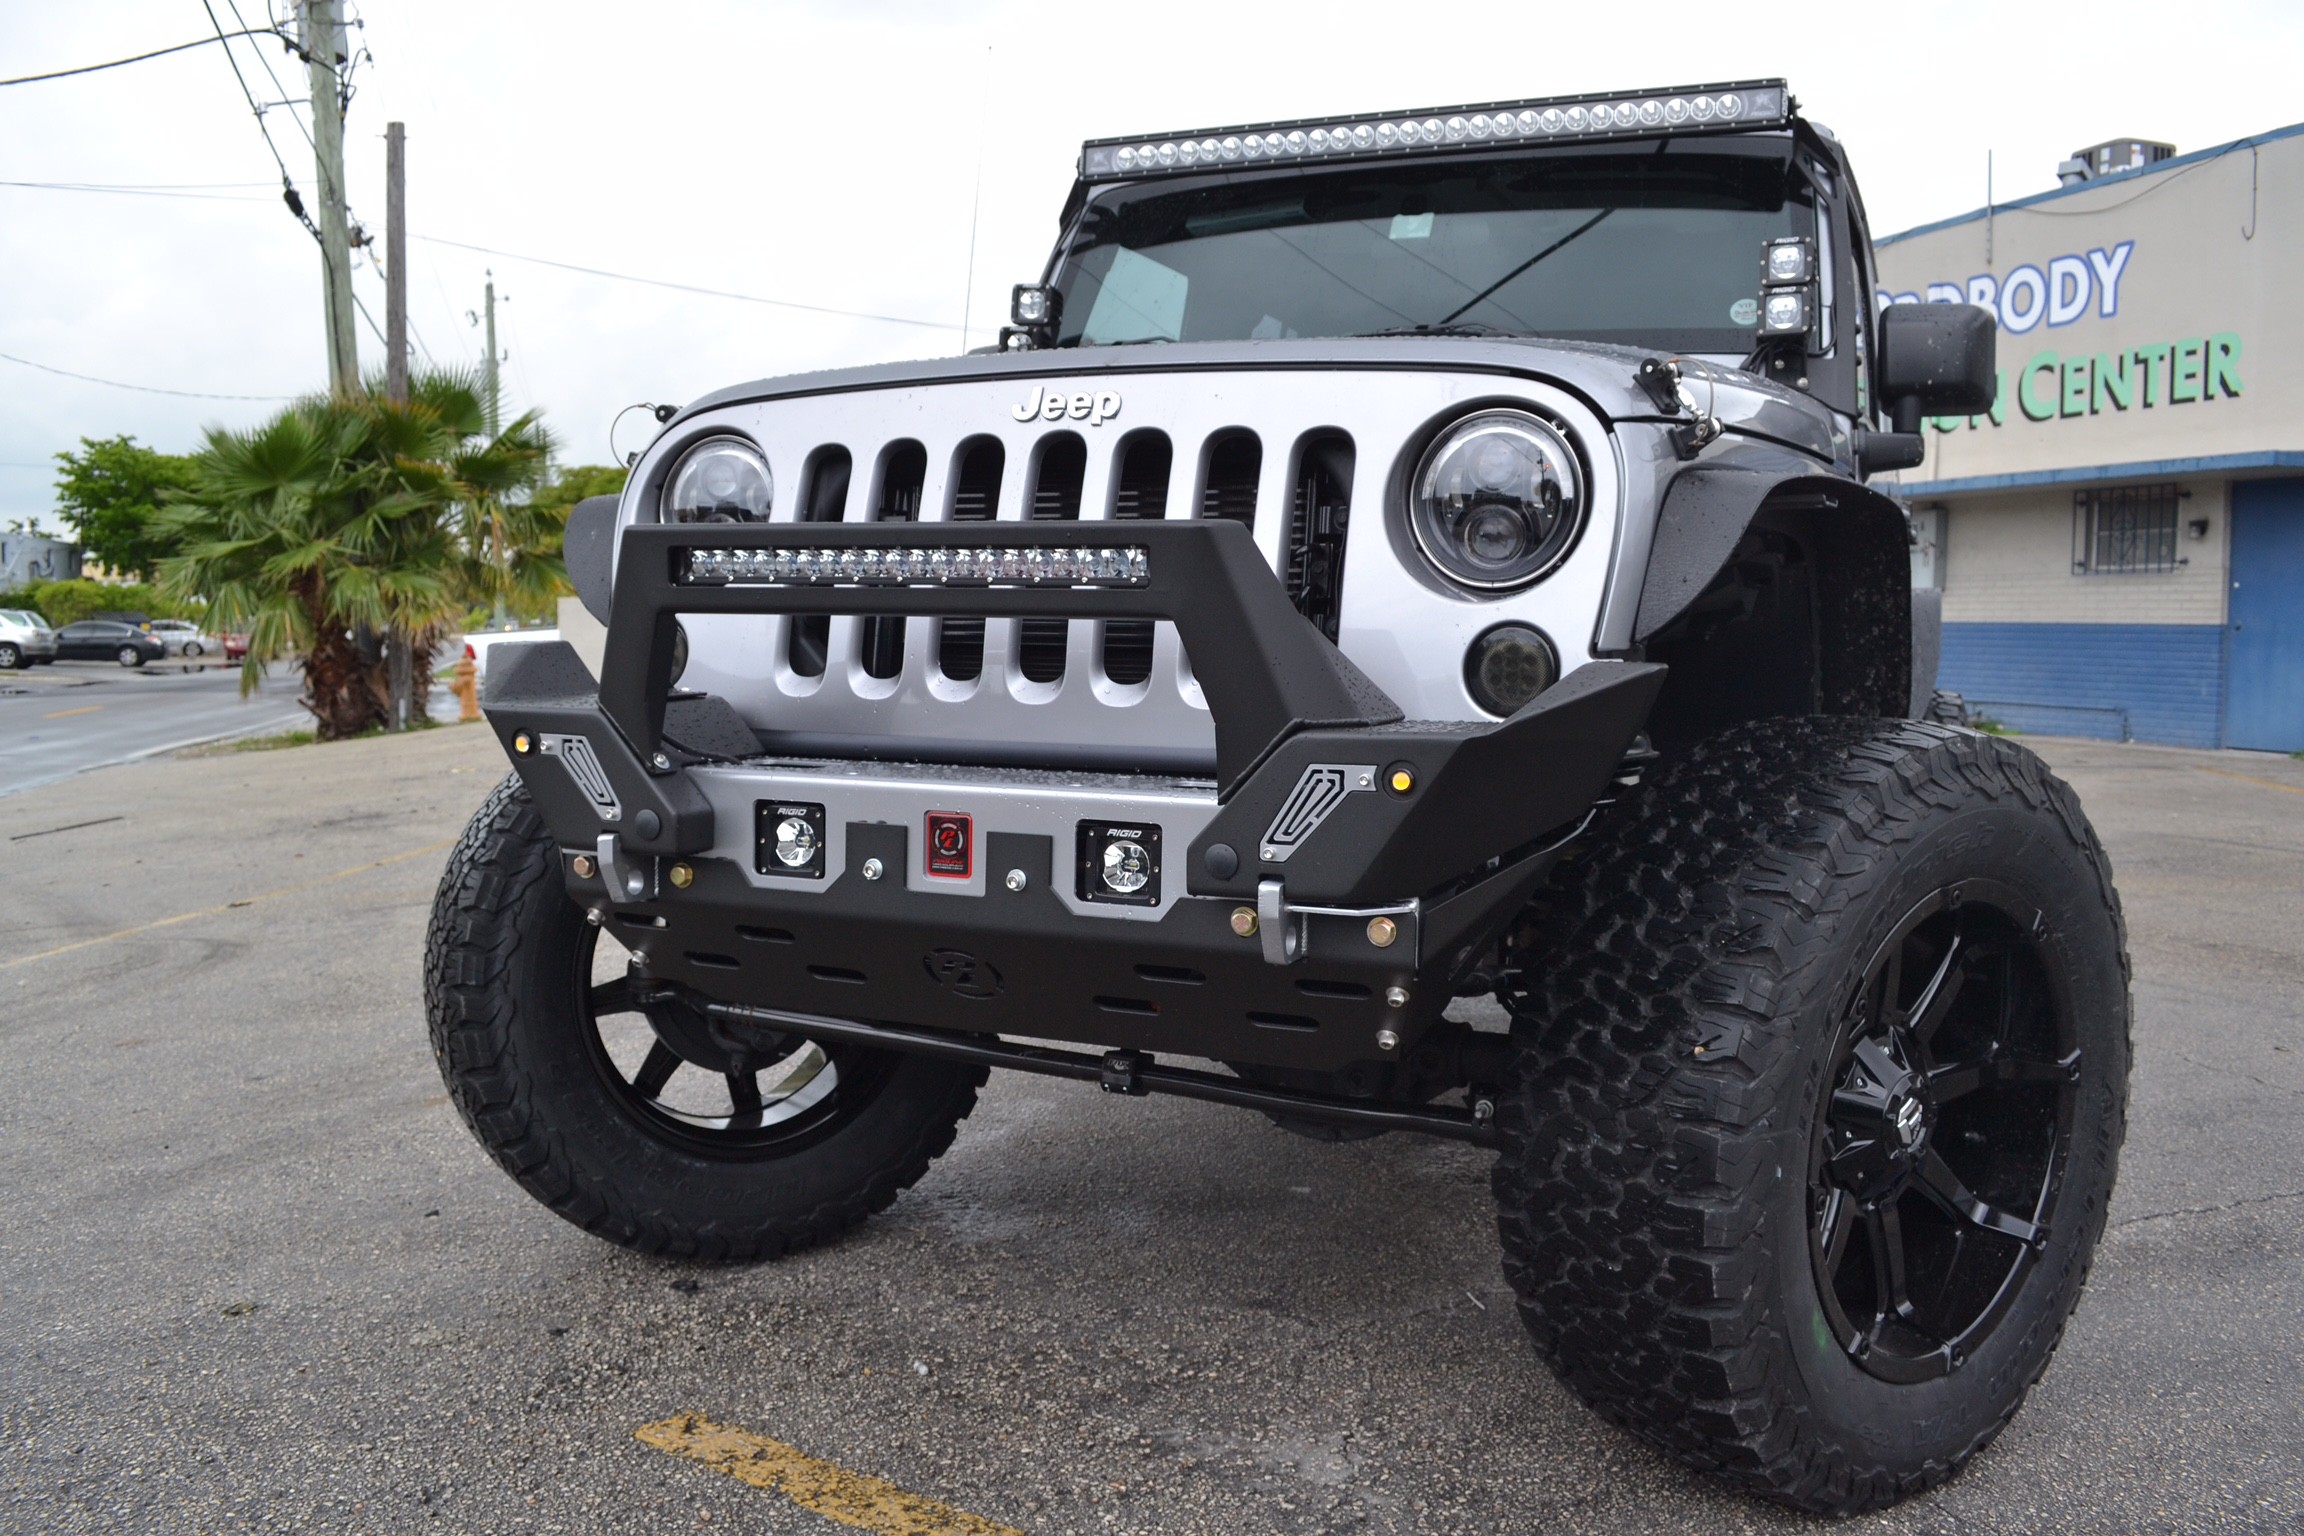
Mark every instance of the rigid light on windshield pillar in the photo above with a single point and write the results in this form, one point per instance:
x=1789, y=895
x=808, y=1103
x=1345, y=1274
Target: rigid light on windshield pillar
x=1790, y=259
x=1788, y=311
x=1035, y=310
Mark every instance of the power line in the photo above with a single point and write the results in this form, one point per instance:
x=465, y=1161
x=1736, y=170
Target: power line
x=148, y=389
x=717, y=293
x=198, y=42
x=285, y=180
x=273, y=76
x=154, y=191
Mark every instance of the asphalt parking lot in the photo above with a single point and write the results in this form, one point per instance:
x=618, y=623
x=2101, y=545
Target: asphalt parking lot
x=255, y=1275
x=65, y=718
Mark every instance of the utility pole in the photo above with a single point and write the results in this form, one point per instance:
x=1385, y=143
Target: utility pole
x=493, y=399
x=396, y=261
x=323, y=35
x=400, y=659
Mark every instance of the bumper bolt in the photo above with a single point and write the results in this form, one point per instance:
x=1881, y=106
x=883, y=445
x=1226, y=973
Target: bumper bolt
x=681, y=876
x=1386, y=1040
x=585, y=866
x=1016, y=880
x=873, y=869
x=1244, y=922
x=1382, y=931
x=1483, y=1111
x=661, y=761
x=1395, y=997
x=595, y=916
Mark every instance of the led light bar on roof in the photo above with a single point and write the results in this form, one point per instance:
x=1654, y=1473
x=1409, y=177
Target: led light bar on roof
x=1118, y=566
x=1695, y=109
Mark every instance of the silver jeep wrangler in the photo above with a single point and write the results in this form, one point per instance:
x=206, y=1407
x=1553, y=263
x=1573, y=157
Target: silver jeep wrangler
x=1388, y=560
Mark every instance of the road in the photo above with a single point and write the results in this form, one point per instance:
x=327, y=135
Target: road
x=256, y=1275
x=64, y=719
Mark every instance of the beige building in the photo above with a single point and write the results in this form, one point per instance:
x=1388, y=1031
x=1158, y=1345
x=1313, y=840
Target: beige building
x=2120, y=541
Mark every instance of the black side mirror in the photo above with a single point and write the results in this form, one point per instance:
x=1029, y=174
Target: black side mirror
x=1936, y=360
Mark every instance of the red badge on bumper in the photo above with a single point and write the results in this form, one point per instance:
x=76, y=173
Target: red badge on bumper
x=951, y=845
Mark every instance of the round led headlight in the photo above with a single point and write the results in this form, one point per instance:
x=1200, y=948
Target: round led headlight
x=1508, y=666
x=720, y=480
x=1497, y=501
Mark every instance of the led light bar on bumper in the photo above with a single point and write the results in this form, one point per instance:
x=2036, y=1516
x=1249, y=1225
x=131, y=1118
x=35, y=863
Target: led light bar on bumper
x=1115, y=566
x=1695, y=109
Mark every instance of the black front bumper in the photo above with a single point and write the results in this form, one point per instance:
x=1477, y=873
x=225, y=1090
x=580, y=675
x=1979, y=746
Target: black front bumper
x=1364, y=922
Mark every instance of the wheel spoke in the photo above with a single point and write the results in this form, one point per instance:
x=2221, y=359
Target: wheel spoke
x=1945, y=1188
x=744, y=1093
x=656, y=1071
x=1961, y=1078
x=1833, y=1225
x=613, y=997
x=1885, y=1229
x=1935, y=1001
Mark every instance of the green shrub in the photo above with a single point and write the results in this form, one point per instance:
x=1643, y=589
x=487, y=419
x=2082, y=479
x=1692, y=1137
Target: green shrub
x=68, y=602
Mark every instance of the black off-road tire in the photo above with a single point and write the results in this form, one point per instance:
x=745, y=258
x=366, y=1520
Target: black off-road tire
x=1674, y=1077
x=501, y=984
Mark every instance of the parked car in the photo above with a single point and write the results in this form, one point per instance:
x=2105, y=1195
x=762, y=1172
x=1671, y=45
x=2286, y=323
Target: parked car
x=235, y=645
x=183, y=637
x=25, y=639
x=109, y=640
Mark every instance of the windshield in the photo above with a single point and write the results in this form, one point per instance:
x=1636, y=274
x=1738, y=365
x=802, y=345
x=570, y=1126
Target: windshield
x=1648, y=249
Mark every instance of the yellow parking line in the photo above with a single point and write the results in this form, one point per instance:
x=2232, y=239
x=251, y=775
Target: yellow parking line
x=852, y=1498
x=85, y=709
x=2249, y=778
x=185, y=917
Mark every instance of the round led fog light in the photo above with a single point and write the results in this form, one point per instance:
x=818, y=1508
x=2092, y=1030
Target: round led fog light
x=795, y=842
x=1127, y=867
x=1508, y=666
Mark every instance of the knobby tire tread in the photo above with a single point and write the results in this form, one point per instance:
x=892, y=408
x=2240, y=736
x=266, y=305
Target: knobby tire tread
x=505, y=859
x=1630, y=1186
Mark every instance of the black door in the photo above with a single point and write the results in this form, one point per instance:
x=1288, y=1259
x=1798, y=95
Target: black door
x=90, y=640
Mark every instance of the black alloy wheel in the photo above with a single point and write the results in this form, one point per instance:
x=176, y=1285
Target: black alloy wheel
x=645, y=1122
x=1819, y=1083
x=1945, y=1129
x=685, y=1079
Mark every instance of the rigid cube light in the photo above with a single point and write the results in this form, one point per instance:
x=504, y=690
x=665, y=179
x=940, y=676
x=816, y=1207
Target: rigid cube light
x=1041, y=565
x=1787, y=311
x=1118, y=864
x=1755, y=104
x=1790, y=259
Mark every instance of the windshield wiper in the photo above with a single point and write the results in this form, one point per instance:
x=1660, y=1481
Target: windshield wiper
x=1488, y=291
x=1444, y=328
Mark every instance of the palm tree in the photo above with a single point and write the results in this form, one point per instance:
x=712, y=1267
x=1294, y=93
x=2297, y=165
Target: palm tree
x=344, y=528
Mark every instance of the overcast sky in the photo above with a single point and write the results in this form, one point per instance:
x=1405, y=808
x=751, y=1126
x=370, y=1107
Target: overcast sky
x=829, y=154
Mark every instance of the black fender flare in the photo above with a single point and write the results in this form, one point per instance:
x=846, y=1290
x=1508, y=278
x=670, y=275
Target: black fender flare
x=1863, y=535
